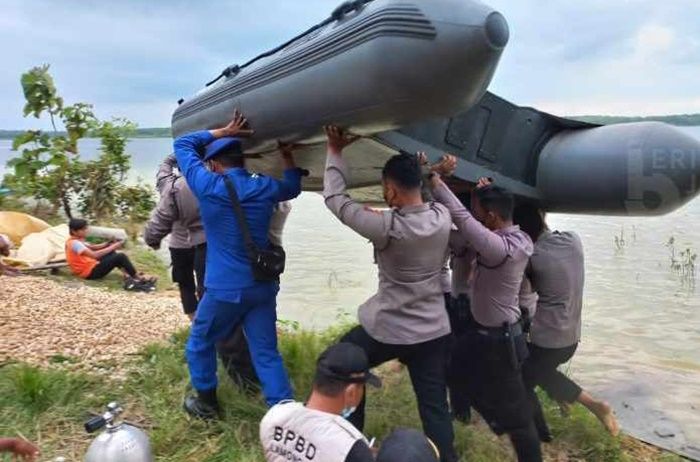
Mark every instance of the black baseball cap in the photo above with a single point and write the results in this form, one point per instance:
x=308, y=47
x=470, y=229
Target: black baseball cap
x=407, y=445
x=346, y=362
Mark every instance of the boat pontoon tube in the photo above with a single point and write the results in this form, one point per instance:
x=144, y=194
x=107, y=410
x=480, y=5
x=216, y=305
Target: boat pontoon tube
x=646, y=168
x=385, y=65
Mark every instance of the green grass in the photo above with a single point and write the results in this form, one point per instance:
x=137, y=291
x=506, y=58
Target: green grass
x=144, y=259
x=49, y=407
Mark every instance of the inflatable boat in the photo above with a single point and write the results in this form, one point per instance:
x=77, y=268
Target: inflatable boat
x=565, y=165
x=373, y=66
x=412, y=76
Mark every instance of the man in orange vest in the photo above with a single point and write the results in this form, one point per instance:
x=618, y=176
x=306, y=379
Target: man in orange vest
x=95, y=261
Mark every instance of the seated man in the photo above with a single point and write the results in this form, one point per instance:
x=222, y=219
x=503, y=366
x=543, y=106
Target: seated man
x=95, y=261
x=318, y=430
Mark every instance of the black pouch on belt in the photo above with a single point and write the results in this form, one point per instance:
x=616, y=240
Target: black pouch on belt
x=510, y=345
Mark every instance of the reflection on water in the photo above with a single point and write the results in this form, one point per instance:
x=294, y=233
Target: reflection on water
x=641, y=337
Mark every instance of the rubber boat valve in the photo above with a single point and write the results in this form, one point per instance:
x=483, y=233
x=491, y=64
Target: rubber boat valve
x=107, y=419
x=347, y=7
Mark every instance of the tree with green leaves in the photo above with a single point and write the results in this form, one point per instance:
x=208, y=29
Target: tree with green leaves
x=49, y=168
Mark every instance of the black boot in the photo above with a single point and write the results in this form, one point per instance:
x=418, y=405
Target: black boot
x=203, y=405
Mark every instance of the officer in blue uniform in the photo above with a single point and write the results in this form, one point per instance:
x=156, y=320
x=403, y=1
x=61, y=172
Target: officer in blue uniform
x=232, y=295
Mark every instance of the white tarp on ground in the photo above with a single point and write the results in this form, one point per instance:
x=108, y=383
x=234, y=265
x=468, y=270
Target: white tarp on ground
x=38, y=249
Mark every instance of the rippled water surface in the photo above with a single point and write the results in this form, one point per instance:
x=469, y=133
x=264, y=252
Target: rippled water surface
x=641, y=336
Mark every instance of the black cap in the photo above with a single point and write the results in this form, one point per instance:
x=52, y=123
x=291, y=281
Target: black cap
x=407, y=445
x=346, y=362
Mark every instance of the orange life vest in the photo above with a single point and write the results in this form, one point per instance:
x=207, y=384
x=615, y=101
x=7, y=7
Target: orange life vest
x=81, y=265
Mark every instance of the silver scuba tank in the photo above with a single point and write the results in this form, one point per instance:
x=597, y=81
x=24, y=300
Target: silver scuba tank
x=120, y=442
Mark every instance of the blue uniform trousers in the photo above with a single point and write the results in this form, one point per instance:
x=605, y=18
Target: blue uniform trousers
x=218, y=314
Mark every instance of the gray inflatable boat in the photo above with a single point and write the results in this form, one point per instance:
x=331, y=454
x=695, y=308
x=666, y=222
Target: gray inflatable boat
x=373, y=66
x=413, y=75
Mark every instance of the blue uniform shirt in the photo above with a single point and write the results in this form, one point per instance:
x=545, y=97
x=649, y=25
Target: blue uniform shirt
x=228, y=264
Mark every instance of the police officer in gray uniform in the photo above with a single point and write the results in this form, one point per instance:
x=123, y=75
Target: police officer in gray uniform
x=318, y=431
x=406, y=319
x=490, y=354
x=177, y=214
x=556, y=271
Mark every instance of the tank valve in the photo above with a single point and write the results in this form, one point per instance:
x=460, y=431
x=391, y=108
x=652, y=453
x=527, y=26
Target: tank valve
x=105, y=420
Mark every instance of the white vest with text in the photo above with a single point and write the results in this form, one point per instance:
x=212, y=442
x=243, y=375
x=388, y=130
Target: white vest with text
x=290, y=432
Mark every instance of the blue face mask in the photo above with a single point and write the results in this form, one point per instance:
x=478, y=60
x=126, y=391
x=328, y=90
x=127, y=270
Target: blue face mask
x=347, y=412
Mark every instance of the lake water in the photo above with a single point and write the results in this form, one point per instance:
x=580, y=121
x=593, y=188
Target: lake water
x=641, y=334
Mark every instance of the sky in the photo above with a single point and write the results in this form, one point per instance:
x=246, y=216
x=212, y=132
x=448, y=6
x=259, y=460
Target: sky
x=136, y=58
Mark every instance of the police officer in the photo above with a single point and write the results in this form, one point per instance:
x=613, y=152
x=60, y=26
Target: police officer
x=177, y=214
x=556, y=271
x=232, y=294
x=318, y=431
x=491, y=352
x=406, y=318
x=233, y=351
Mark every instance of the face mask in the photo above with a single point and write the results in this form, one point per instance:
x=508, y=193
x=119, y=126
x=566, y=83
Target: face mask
x=347, y=412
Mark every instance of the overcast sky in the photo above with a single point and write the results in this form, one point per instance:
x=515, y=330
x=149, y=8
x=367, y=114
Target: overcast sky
x=135, y=58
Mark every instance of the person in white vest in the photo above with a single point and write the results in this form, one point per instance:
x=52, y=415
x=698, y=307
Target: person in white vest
x=318, y=430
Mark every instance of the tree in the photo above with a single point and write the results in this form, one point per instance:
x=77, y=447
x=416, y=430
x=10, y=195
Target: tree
x=49, y=167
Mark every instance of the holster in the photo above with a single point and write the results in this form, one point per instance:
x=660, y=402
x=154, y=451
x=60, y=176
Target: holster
x=516, y=345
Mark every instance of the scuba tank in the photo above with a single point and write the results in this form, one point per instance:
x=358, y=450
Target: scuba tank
x=120, y=442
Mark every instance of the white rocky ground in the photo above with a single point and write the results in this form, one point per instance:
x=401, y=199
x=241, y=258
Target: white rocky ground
x=44, y=322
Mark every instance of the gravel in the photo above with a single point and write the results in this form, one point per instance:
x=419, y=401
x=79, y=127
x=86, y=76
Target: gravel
x=45, y=322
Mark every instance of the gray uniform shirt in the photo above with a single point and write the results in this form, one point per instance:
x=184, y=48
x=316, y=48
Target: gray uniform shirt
x=462, y=264
x=177, y=212
x=557, y=274
x=410, y=246
x=501, y=259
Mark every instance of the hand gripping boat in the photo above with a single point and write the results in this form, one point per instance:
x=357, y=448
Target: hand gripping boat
x=372, y=66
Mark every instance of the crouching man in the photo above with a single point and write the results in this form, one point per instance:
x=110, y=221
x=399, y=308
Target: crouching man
x=318, y=430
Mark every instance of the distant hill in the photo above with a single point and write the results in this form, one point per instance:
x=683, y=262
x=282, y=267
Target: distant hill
x=155, y=132
x=682, y=120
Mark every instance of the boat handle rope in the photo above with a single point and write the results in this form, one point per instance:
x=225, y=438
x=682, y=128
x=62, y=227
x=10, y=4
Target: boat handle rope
x=338, y=14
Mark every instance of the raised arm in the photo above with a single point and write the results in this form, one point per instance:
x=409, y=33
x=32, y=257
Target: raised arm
x=165, y=174
x=188, y=148
x=161, y=222
x=371, y=224
x=289, y=187
x=491, y=247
